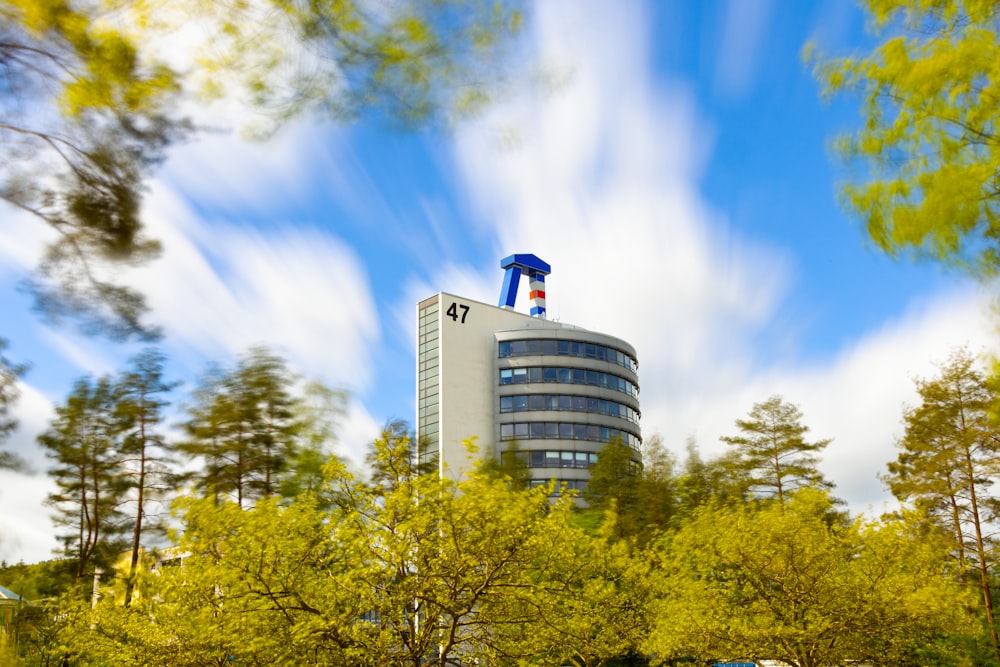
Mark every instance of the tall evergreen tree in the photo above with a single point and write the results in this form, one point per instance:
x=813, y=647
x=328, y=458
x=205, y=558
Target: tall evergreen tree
x=773, y=456
x=949, y=456
x=243, y=427
x=9, y=374
x=84, y=440
x=145, y=451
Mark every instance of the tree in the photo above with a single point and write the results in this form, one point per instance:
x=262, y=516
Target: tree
x=415, y=570
x=87, y=112
x=243, y=427
x=773, y=457
x=928, y=151
x=9, y=375
x=512, y=466
x=780, y=582
x=84, y=441
x=318, y=415
x=949, y=456
x=613, y=487
x=143, y=450
x=83, y=120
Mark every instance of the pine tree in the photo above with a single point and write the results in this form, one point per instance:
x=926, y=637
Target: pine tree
x=9, y=375
x=949, y=456
x=85, y=440
x=773, y=456
x=243, y=426
x=144, y=450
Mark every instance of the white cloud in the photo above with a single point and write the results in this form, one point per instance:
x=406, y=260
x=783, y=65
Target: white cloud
x=221, y=287
x=603, y=185
x=744, y=31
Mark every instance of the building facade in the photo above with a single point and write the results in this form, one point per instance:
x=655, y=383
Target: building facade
x=552, y=392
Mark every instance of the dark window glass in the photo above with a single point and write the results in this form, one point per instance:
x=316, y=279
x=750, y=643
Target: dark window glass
x=520, y=375
x=551, y=374
x=534, y=346
x=566, y=431
x=506, y=403
x=579, y=376
x=591, y=351
x=566, y=375
x=518, y=348
x=594, y=433
x=552, y=402
x=577, y=349
x=580, y=403
x=536, y=459
x=580, y=431
x=593, y=378
x=551, y=430
x=534, y=375
x=594, y=405
x=505, y=349
x=563, y=347
x=536, y=402
x=565, y=402
x=602, y=353
x=549, y=347
x=520, y=431
x=520, y=403
x=537, y=429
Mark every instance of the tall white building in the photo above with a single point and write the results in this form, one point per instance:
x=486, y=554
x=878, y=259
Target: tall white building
x=560, y=391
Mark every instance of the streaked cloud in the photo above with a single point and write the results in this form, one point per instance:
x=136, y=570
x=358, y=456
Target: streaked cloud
x=743, y=35
x=603, y=183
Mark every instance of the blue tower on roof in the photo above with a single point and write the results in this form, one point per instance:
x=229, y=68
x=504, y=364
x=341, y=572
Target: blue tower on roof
x=536, y=270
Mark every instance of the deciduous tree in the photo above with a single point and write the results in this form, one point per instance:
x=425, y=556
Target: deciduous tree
x=780, y=582
x=927, y=153
x=414, y=570
x=87, y=110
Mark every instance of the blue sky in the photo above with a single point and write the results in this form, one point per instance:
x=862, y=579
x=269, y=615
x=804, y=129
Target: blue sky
x=673, y=167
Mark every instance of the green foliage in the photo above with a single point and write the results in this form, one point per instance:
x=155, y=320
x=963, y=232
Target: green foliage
x=86, y=111
x=9, y=375
x=83, y=119
x=36, y=581
x=511, y=467
x=927, y=154
x=143, y=450
x=413, y=570
x=772, y=456
x=243, y=428
x=83, y=441
x=779, y=582
x=948, y=458
x=414, y=62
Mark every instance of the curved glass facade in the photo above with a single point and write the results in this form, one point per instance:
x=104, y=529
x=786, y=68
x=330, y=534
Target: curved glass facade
x=562, y=375
x=566, y=348
x=567, y=403
x=567, y=431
